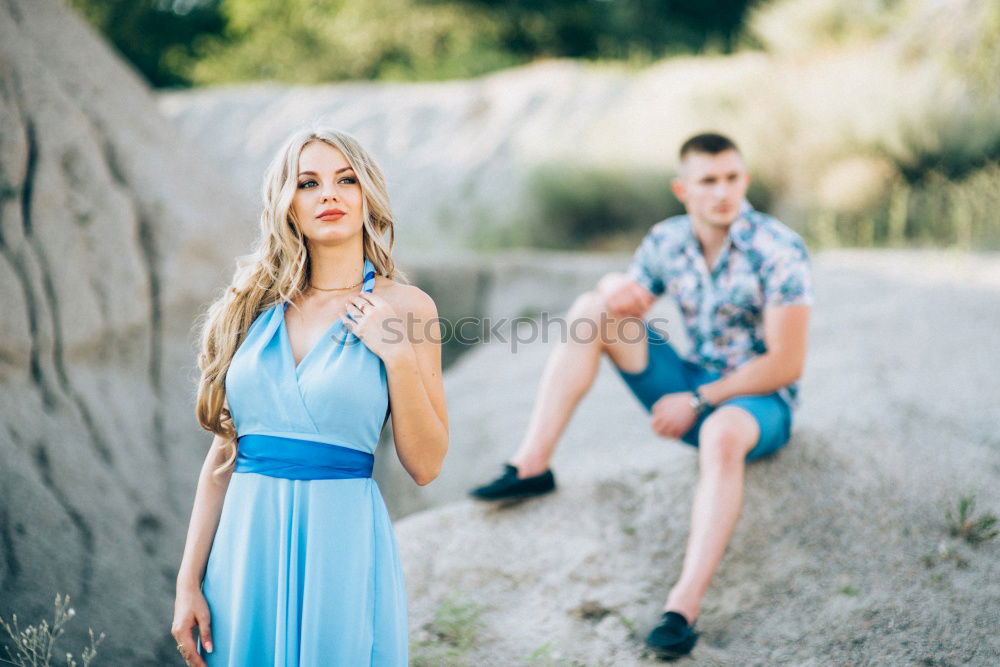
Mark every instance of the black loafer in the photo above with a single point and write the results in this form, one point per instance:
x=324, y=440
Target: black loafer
x=673, y=638
x=508, y=486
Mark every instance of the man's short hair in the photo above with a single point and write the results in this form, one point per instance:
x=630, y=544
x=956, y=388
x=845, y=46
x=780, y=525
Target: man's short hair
x=708, y=142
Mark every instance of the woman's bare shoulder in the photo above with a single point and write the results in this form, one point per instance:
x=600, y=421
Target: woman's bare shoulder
x=408, y=298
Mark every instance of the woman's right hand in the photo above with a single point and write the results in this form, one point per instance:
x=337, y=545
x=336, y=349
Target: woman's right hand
x=191, y=609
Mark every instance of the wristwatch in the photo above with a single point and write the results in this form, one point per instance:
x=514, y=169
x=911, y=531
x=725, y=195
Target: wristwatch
x=698, y=402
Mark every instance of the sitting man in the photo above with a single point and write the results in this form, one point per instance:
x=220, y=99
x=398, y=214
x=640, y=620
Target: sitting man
x=742, y=282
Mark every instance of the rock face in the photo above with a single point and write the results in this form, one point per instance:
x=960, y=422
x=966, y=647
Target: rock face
x=843, y=553
x=112, y=238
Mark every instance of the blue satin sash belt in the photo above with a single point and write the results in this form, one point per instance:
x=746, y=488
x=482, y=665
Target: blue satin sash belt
x=291, y=458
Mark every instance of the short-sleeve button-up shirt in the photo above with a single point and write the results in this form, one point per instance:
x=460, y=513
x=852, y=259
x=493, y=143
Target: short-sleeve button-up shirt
x=763, y=263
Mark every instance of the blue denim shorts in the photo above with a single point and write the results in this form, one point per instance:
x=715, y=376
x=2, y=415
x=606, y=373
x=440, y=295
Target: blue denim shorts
x=667, y=373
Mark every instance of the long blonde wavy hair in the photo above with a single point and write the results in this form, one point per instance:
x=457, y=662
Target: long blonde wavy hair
x=277, y=270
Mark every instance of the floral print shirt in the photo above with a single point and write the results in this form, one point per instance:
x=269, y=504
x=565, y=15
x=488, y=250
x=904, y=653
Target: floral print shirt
x=763, y=263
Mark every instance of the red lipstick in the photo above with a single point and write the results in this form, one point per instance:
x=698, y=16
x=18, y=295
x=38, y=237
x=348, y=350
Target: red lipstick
x=331, y=214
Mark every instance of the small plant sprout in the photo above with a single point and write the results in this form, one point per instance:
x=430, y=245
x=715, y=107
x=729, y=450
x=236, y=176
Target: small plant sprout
x=972, y=529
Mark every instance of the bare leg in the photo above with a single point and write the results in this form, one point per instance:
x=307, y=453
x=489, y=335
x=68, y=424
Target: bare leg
x=570, y=372
x=724, y=441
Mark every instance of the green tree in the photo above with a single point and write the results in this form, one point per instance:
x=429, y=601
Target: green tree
x=311, y=41
x=179, y=42
x=614, y=28
x=154, y=35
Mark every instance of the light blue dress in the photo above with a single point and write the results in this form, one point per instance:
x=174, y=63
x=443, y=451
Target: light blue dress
x=304, y=569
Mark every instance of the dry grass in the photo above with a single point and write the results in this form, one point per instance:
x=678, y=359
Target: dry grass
x=34, y=646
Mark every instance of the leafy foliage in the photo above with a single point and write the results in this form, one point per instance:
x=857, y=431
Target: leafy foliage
x=604, y=208
x=156, y=36
x=313, y=41
x=178, y=42
x=581, y=206
x=621, y=29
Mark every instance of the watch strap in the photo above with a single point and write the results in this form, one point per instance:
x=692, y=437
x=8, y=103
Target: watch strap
x=699, y=402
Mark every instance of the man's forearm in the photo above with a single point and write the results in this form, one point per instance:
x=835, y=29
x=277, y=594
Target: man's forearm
x=761, y=375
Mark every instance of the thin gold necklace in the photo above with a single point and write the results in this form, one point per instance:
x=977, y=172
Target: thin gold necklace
x=336, y=289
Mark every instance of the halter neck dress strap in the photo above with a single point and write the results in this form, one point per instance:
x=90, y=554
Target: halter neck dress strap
x=369, y=278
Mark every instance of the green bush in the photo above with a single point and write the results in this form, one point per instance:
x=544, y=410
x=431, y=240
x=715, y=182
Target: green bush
x=603, y=208
x=589, y=207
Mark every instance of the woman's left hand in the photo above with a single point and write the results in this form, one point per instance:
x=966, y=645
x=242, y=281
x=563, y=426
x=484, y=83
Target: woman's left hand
x=373, y=320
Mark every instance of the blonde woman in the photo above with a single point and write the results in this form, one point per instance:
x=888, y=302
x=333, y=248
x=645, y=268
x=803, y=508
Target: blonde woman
x=290, y=557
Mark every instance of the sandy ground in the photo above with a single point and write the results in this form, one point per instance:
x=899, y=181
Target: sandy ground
x=842, y=555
